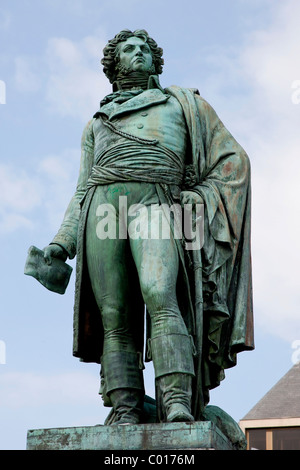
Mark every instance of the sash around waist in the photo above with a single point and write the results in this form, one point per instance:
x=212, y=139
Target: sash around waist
x=134, y=162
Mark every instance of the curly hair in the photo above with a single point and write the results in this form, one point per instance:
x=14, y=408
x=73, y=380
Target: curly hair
x=111, y=52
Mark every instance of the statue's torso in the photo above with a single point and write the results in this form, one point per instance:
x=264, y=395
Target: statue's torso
x=151, y=115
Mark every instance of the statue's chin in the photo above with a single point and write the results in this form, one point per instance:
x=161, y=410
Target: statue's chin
x=138, y=67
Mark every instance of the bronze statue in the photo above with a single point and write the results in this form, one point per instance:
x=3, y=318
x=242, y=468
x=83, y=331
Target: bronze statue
x=147, y=149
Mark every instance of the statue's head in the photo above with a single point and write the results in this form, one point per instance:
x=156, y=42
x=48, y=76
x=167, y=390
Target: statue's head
x=103, y=393
x=131, y=51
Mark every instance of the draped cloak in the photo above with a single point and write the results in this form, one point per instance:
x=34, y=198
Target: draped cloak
x=214, y=285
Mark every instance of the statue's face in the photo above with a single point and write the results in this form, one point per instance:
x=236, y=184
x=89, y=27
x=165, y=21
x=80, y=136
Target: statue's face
x=102, y=392
x=135, y=55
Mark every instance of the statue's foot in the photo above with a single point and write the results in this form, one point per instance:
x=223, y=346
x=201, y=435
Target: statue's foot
x=120, y=423
x=127, y=419
x=179, y=413
x=127, y=404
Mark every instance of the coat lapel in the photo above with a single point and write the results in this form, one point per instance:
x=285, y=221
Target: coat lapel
x=148, y=98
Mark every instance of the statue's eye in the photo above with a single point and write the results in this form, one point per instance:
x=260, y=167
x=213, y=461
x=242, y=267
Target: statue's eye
x=145, y=49
x=128, y=48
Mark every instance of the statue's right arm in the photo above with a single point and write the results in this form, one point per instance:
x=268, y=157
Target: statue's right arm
x=64, y=243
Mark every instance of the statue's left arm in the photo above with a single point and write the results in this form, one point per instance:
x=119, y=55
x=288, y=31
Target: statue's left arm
x=66, y=236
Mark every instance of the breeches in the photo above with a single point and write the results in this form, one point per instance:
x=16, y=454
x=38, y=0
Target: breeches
x=110, y=259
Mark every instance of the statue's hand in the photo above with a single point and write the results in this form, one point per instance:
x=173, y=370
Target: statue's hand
x=190, y=197
x=54, y=251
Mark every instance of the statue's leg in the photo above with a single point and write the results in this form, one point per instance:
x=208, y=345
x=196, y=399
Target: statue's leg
x=171, y=346
x=106, y=260
x=124, y=385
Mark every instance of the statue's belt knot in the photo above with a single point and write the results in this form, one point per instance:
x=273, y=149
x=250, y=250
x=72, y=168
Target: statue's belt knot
x=189, y=178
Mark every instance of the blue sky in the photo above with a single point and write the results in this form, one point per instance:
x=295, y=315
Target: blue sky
x=243, y=56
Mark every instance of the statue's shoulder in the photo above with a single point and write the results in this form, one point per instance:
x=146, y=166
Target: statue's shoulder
x=192, y=102
x=88, y=128
x=187, y=95
x=89, y=125
x=194, y=91
x=173, y=89
x=88, y=133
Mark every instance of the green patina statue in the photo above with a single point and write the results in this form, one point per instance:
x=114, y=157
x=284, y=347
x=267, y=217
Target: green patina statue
x=147, y=150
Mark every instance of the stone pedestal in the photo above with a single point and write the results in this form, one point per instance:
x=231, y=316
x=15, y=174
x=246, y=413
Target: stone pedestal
x=202, y=435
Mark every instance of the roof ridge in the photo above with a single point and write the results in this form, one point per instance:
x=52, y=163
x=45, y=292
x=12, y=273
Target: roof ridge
x=282, y=400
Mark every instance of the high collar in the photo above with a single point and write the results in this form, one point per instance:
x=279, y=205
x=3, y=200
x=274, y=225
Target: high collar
x=120, y=96
x=153, y=82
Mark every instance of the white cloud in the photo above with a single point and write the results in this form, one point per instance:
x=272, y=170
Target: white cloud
x=254, y=88
x=49, y=185
x=272, y=57
x=75, y=83
x=69, y=74
x=276, y=232
x=61, y=168
x=20, y=194
x=270, y=64
x=26, y=74
x=12, y=222
x=59, y=174
x=17, y=189
x=21, y=389
x=5, y=20
x=30, y=400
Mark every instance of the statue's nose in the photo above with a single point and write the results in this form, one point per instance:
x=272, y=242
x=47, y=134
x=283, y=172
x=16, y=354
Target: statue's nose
x=139, y=52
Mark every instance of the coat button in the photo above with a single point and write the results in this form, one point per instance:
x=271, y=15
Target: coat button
x=144, y=114
x=140, y=126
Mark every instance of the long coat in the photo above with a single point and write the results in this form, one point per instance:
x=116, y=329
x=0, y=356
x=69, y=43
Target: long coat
x=215, y=288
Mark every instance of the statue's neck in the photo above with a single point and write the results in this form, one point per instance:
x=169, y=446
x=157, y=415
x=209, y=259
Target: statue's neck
x=133, y=80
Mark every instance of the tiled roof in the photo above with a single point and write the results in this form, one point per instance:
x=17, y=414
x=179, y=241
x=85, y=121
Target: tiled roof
x=282, y=401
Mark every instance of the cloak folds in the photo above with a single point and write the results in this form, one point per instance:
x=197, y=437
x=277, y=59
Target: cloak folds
x=224, y=182
x=216, y=298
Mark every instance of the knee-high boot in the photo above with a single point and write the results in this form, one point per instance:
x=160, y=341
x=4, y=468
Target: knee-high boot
x=172, y=356
x=176, y=390
x=124, y=385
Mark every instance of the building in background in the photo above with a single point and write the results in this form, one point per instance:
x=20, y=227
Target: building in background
x=274, y=422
